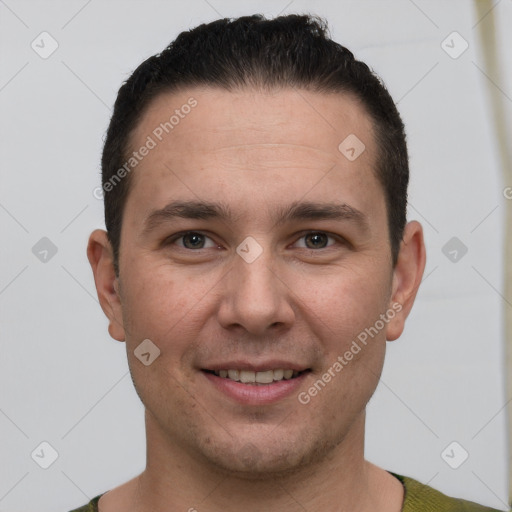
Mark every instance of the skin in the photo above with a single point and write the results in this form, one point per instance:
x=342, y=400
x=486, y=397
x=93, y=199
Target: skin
x=305, y=305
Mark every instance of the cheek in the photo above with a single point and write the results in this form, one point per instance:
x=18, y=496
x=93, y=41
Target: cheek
x=343, y=303
x=161, y=306
x=166, y=305
x=343, y=311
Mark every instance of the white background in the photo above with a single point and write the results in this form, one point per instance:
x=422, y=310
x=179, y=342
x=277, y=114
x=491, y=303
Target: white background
x=64, y=381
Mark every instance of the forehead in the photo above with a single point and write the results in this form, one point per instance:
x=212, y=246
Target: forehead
x=286, y=140
x=277, y=116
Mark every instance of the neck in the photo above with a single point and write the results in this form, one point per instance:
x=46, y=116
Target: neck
x=342, y=481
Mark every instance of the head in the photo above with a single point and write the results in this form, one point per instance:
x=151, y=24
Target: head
x=259, y=224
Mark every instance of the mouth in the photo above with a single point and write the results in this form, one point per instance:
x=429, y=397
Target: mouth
x=255, y=383
x=258, y=378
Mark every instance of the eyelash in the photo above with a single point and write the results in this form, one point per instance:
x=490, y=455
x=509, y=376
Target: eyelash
x=171, y=240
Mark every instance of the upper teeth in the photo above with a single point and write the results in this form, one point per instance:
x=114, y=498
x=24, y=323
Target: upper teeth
x=248, y=376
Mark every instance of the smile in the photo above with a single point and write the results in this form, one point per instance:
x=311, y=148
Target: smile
x=261, y=377
x=251, y=387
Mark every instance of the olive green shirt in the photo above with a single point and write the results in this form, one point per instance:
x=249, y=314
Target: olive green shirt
x=417, y=498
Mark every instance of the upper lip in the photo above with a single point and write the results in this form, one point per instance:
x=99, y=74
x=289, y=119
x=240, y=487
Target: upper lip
x=256, y=367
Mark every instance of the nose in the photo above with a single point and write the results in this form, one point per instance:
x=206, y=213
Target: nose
x=256, y=297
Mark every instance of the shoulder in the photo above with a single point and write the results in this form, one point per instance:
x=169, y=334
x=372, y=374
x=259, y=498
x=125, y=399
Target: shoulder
x=92, y=506
x=420, y=497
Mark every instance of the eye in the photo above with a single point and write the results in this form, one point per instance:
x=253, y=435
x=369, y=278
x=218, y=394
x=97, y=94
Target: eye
x=193, y=240
x=315, y=240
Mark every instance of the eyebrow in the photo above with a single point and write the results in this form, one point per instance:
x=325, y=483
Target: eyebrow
x=306, y=210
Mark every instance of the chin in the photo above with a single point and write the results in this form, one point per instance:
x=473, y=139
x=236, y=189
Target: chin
x=251, y=464
x=259, y=460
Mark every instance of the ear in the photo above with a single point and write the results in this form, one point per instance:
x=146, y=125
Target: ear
x=101, y=258
x=407, y=276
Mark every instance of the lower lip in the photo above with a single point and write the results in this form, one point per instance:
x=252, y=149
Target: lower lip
x=259, y=394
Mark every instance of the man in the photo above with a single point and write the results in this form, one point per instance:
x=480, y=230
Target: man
x=256, y=260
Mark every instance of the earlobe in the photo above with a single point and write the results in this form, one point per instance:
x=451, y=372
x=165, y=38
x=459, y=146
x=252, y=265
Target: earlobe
x=100, y=256
x=407, y=277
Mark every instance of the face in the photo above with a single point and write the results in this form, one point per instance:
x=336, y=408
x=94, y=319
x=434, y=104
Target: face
x=252, y=247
